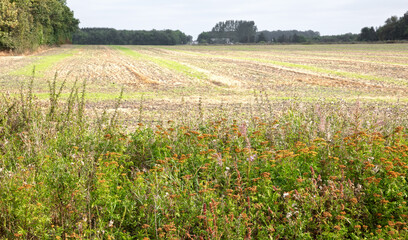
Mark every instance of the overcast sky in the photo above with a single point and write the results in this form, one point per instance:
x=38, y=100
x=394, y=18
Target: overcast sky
x=329, y=17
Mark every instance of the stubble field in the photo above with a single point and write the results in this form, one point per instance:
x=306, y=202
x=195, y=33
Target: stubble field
x=169, y=76
x=205, y=142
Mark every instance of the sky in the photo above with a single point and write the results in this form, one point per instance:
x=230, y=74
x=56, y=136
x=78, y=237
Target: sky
x=329, y=17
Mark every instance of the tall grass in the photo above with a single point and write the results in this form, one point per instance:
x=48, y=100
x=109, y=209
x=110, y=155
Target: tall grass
x=314, y=171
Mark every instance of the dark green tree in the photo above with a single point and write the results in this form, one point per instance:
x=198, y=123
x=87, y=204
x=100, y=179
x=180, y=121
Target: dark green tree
x=27, y=24
x=8, y=22
x=368, y=34
x=246, y=31
x=261, y=38
x=298, y=38
x=110, y=36
x=389, y=30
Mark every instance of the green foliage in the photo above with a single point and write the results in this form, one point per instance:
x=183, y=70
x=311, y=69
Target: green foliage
x=308, y=174
x=368, y=34
x=234, y=31
x=246, y=31
x=288, y=36
x=110, y=36
x=8, y=21
x=25, y=25
x=394, y=29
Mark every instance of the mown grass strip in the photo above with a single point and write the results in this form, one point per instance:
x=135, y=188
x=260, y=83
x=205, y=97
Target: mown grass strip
x=43, y=64
x=166, y=63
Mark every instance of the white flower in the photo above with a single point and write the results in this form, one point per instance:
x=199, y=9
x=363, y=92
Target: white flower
x=285, y=194
x=375, y=169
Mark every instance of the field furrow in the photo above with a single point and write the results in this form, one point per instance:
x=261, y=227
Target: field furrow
x=218, y=73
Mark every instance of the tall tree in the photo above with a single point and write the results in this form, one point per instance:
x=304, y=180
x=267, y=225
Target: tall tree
x=246, y=31
x=130, y=37
x=38, y=22
x=261, y=38
x=8, y=22
x=368, y=34
x=388, y=31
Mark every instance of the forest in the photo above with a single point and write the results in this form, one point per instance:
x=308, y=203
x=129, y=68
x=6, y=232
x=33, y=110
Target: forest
x=394, y=29
x=110, y=36
x=28, y=24
x=231, y=31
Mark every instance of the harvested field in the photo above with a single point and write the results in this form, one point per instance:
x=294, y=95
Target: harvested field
x=214, y=75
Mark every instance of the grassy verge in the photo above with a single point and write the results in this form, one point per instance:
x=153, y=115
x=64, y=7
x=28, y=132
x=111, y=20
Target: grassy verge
x=324, y=170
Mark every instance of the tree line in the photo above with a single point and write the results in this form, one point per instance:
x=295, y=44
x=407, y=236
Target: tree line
x=394, y=29
x=110, y=36
x=230, y=31
x=290, y=36
x=28, y=24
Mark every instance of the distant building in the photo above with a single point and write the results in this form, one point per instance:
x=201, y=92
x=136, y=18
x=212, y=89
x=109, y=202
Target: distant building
x=221, y=40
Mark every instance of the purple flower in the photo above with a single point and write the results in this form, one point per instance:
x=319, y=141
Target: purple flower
x=251, y=158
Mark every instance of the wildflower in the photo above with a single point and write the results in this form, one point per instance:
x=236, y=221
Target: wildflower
x=243, y=129
x=312, y=170
x=327, y=214
x=340, y=217
x=251, y=158
x=337, y=227
x=266, y=175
